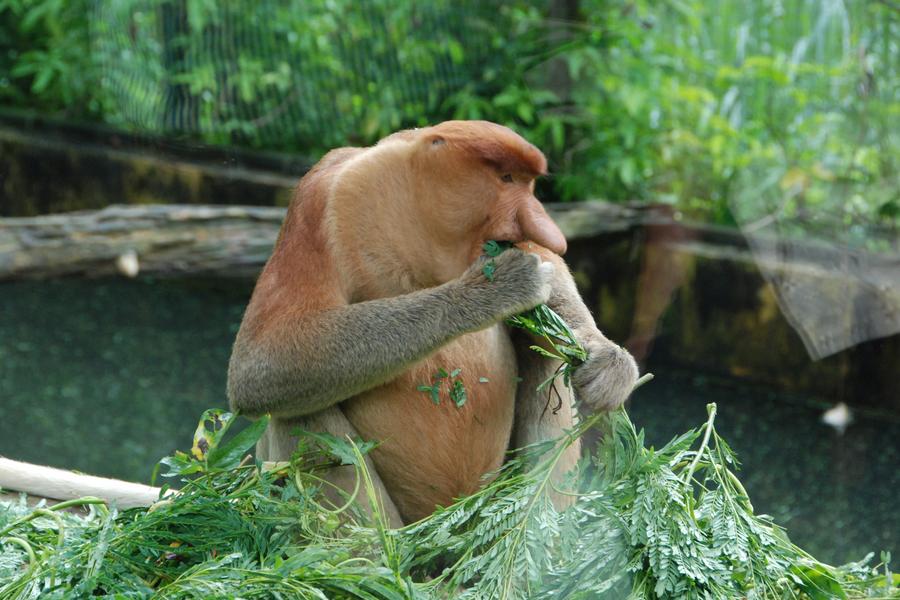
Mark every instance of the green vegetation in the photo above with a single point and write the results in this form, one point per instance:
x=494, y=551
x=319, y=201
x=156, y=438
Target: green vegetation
x=667, y=523
x=644, y=524
x=747, y=111
x=456, y=389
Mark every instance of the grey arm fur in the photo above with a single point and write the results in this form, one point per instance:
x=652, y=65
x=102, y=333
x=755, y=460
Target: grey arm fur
x=326, y=357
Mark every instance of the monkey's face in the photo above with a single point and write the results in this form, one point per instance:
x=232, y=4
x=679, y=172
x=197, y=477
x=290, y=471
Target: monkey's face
x=479, y=185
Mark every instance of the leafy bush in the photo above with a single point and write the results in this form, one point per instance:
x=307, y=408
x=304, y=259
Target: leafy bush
x=697, y=104
x=301, y=76
x=682, y=101
x=45, y=63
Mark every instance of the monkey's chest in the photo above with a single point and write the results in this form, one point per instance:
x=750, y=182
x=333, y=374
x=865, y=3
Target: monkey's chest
x=444, y=423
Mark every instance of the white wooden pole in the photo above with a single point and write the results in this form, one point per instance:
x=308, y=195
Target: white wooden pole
x=58, y=484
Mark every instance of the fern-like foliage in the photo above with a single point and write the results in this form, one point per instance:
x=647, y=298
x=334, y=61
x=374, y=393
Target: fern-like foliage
x=647, y=524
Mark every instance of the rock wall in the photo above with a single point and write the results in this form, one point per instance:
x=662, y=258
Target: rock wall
x=50, y=167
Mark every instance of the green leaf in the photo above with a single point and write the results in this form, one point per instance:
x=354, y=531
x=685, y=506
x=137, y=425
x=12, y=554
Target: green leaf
x=210, y=430
x=455, y=49
x=43, y=79
x=34, y=16
x=544, y=352
x=434, y=391
x=229, y=455
x=180, y=465
x=458, y=393
x=557, y=134
x=547, y=382
x=494, y=248
x=524, y=322
x=819, y=582
x=488, y=269
x=525, y=112
x=342, y=449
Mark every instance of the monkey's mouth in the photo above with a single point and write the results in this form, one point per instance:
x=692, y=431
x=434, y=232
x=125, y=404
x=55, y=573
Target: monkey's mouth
x=488, y=247
x=504, y=242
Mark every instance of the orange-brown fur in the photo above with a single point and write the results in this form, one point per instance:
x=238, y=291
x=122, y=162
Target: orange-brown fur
x=432, y=454
x=407, y=215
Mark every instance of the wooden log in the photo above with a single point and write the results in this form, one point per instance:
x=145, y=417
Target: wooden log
x=169, y=240
x=59, y=484
x=210, y=240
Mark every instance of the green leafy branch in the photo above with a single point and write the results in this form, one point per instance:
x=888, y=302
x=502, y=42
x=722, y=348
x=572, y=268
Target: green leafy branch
x=208, y=452
x=542, y=322
x=646, y=524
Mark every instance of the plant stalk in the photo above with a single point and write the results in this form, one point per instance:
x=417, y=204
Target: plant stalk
x=711, y=410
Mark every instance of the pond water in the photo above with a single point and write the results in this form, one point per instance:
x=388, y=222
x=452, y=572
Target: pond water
x=108, y=376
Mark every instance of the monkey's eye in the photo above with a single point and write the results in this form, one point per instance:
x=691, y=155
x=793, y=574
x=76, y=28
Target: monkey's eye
x=506, y=178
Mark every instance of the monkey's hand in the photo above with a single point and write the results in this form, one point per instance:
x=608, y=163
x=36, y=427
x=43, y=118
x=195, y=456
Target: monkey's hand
x=606, y=378
x=520, y=281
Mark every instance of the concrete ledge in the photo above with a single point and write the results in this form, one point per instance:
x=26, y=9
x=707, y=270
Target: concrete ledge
x=50, y=166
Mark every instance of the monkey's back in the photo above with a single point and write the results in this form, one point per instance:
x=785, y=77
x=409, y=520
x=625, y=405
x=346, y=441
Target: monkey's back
x=431, y=454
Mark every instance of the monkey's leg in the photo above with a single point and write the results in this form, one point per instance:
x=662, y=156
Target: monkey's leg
x=279, y=444
x=543, y=415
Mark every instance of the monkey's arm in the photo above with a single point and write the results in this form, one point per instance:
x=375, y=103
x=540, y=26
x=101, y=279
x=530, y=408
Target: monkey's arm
x=605, y=380
x=297, y=363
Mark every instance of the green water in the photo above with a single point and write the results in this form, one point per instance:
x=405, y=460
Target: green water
x=108, y=376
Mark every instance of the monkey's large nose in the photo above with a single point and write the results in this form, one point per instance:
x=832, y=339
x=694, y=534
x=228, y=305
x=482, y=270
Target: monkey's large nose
x=538, y=227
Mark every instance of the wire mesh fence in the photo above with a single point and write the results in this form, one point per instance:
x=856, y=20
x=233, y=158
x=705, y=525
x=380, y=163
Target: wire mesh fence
x=284, y=73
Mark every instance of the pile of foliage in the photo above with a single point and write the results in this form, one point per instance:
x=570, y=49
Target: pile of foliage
x=668, y=523
x=775, y=107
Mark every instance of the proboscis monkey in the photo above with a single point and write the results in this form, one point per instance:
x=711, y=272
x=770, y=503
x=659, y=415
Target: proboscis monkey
x=376, y=283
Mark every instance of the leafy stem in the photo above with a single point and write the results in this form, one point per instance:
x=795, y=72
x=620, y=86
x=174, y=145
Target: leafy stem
x=543, y=322
x=708, y=428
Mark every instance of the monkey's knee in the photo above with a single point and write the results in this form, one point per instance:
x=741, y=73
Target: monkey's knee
x=342, y=484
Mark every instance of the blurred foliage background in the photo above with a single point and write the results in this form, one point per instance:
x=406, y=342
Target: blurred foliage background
x=684, y=102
